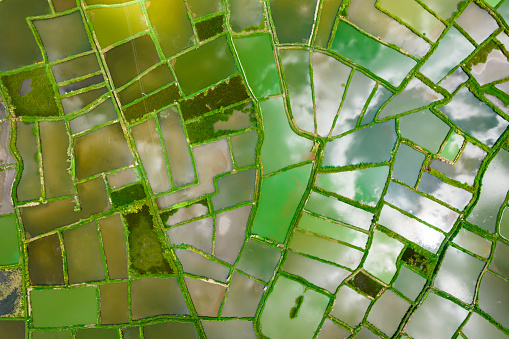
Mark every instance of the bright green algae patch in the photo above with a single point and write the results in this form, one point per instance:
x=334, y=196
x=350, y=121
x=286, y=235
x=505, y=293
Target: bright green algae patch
x=292, y=310
x=281, y=280
x=9, y=250
x=382, y=60
x=280, y=195
x=64, y=307
x=281, y=146
x=256, y=55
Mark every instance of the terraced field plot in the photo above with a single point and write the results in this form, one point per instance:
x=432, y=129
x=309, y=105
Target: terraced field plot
x=254, y=169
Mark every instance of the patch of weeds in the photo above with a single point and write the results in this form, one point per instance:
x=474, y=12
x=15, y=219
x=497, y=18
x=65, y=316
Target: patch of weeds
x=209, y=28
x=167, y=214
x=422, y=261
x=128, y=195
x=366, y=284
x=38, y=98
x=152, y=103
x=294, y=311
x=145, y=248
x=481, y=55
x=223, y=95
x=205, y=129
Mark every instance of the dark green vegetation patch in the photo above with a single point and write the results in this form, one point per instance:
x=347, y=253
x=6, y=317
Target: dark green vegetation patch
x=223, y=95
x=128, y=195
x=418, y=260
x=167, y=214
x=203, y=129
x=145, y=248
x=38, y=98
x=481, y=55
x=366, y=284
x=208, y=28
x=152, y=103
x=10, y=292
x=294, y=311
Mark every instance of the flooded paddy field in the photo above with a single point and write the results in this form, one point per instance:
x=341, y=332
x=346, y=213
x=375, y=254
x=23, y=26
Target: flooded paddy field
x=305, y=169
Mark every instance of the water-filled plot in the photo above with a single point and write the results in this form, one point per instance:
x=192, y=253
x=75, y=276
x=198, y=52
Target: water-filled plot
x=251, y=169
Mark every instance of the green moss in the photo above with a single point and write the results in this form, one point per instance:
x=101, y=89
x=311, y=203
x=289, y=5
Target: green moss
x=294, y=311
x=11, y=301
x=260, y=27
x=343, y=8
x=209, y=28
x=203, y=129
x=202, y=202
x=165, y=215
x=128, y=195
x=366, y=284
x=39, y=101
x=152, y=103
x=462, y=5
x=222, y=95
x=145, y=249
x=481, y=55
x=423, y=261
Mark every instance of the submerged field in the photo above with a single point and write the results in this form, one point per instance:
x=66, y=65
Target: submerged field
x=254, y=169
